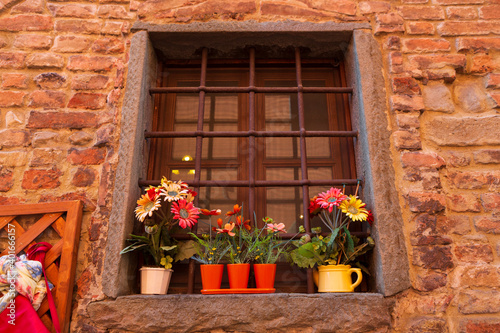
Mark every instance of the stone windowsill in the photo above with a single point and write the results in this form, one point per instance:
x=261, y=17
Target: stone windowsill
x=356, y=312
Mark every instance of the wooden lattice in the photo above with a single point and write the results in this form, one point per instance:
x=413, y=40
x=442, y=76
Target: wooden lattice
x=65, y=218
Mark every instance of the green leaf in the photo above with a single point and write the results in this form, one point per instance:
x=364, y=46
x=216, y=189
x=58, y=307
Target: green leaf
x=306, y=250
x=186, y=249
x=140, y=237
x=301, y=261
x=350, y=242
x=132, y=247
x=168, y=248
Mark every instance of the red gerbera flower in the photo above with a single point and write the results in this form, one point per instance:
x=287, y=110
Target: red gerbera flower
x=314, y=207
x=330, y=198
x=210, y=212
x=369, y=219
x=186, y=212
x=219, y=223
x=236, y=210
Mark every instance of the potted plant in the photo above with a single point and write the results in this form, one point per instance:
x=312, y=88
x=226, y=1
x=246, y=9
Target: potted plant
x=159, y=223
x=333, y=253
x=209, y=252
x=268, y=248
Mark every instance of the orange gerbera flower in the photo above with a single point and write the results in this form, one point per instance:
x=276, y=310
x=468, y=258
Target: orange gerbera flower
x=210, y=212
x=147, y=204
x=245, y=224
x=227, y=229
x=185, y=212
x=236, y=210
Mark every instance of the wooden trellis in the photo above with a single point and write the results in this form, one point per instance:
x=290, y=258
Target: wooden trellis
x=65, y=218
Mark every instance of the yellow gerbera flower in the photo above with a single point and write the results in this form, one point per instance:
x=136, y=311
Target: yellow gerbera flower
x=354, y=208
x=147, y=204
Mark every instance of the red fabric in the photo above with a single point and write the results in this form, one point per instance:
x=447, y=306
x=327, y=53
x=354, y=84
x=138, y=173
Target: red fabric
x=37, y=252
x=23, y=319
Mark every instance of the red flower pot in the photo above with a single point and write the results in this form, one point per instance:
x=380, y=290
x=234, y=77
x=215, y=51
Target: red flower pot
x=264, y=275
x=238, y=275
x=211, y=276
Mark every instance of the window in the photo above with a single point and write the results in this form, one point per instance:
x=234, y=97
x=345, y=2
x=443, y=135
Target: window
x=268, y=133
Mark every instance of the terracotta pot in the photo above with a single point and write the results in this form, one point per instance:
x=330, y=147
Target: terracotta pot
x=238, y=275
x=211, y=276
x=155, y=280
x=264, y=275
x=336, y=278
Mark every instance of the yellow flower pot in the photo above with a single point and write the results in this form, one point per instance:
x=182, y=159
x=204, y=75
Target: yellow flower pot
x=336, y=278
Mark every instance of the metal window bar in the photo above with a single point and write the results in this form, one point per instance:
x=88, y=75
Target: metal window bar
x=251, y=183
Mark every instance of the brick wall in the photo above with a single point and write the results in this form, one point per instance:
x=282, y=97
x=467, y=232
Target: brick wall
x=62, y=77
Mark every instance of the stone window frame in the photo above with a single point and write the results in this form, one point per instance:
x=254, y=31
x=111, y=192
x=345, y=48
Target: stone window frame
x=369, y=114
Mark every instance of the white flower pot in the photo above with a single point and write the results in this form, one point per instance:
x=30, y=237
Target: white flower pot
x=155, y=280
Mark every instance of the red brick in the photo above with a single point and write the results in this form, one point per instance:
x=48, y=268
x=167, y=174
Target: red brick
x=49, y=80
x=29, y=6
x=396, y=62
x=407, y=103
x=489, y=225
x=482, y=63
x=35, y=42
x=391, y=22
x=473, y=179
x=461, y=13
x=474, y=253
x=80, y=138
x=369, y=7
x=420, y=28
x=434, y=61
x=454, y=224
x=114, y=12
x=426, y=202
x=9, y=200
x=425, y=45
x=115, y=28
x=45, y=156
x=493, y=81
x=39, y=119
x=83, y=177
x=478, y=44
x=414, y=1
x=428, y=179
x=108, y=46
x=73, y=10
x=6, y=179
x=11, y=98
x=47, y=99
x=433, y=257
x=479, y=301
x=89, y=156
x=448, y=75
x=421, y=12
x=408, y=120
x=93, y=63
x=431, y=281
x=458, y=2
x=88, y=204
x=26, y=23
x=496, y=99
x=491, y=202
x=420, y=159
x=487, y=156
x=463, y=203
x=90, y=82
x=491, y=325
x=491, y=12
x=36, y=179
x=427, y=324
x=70, y=44
x=45, y=60
x=393, y=43
x=12, y=60
x=405, y=85
x=104, y=195
x=476, y=276
x=407, y=140
x=19, y=81
x=78, y=26
x=460, y=28
x=89, y=101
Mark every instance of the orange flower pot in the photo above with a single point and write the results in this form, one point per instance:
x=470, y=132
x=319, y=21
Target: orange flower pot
x=238, y=275
x=264, y=275
x=211, y=276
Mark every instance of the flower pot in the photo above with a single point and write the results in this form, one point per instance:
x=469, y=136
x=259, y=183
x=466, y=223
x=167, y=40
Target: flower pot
x=211, y=276
x=264, y=275
x=155, y=280
x=336, y=278
x=238, y=275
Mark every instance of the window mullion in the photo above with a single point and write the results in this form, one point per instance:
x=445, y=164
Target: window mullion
x=251, y=139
